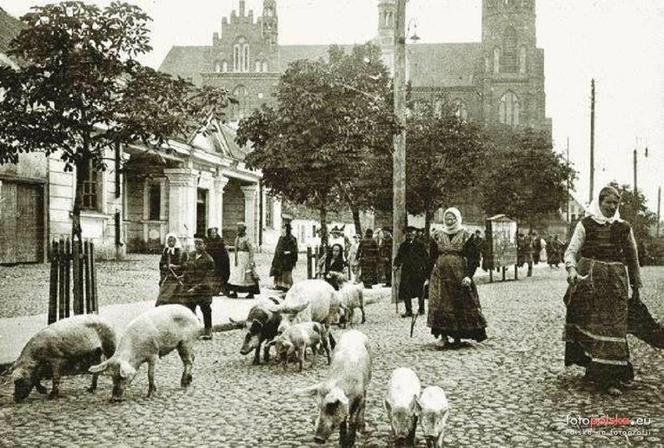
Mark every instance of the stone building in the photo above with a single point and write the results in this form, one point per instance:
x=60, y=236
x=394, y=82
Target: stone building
x=497, y=80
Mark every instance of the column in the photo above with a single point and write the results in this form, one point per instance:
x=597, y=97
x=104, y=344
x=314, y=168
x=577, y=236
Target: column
x=182, y=197
x=250, y=210
x=217, y=204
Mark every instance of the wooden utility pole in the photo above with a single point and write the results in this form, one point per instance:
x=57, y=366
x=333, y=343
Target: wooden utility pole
x=659, y=208
x=399, y=216
x=635, y=180
x=592, y=140
x=567, y=183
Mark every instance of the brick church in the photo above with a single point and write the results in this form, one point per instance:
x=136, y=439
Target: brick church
x=497, y=80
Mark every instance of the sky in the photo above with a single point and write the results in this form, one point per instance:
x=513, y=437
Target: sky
x=620, y=43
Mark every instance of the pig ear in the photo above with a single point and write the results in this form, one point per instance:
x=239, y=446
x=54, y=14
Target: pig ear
x=126, y=370
x=99, y=367
x=311, y=390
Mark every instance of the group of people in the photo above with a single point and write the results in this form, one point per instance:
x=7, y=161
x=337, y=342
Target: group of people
x=532, y=248
x=192, y=279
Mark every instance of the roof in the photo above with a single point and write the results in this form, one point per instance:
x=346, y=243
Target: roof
x=187, y=61
x=292, y=53
x=10, y=27
x=443, y=65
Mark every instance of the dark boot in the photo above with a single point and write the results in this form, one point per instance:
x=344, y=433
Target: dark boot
x=409, y=308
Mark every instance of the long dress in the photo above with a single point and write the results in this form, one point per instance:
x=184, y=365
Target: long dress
x=369, y=257
x=285, y=257
x=454, y=309
x=600, y=312
x=171, y=280
x=243, y=274
x=216, y=248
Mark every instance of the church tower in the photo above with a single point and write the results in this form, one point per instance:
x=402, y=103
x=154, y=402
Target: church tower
x=387, y=13
x=513, y=79
x=270, y=22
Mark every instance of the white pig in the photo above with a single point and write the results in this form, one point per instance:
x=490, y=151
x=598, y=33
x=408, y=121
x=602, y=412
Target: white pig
x=298, y=337
x=342, y=397
x=433, y=410
x=401, y=404
x=74, y=339
x=148, y=337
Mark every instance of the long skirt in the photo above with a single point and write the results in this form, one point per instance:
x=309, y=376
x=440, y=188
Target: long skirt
x=242, y=276
x=170, y=292
x=369, y=273
x=284, y=280
x=596, y=323
x=454, y=310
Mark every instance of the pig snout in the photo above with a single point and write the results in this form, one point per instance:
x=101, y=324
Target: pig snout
x=250, y=343
x=118, y=392
x=323, y=431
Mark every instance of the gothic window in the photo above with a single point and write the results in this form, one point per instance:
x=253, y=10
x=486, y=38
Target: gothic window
x=258, y=66
x=496, y=60
x=522, y=60
x=217, y=66
x=509, y=51
x=241, y=56
x=241, y=94
x=508, y=110
x=460, y=109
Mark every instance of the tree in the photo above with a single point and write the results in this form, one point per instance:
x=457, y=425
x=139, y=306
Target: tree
x=80, y=90
x=331, y=122
x=443, y=160
x=525, y=179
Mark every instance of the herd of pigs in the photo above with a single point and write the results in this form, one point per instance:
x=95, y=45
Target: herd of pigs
x=299, y=321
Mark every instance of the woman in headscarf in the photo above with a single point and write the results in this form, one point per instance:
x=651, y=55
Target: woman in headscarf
x=602, y=262
x=171, y=267
x=334, y=261
x=454, y=305
x=285, y=257
x=243, y=273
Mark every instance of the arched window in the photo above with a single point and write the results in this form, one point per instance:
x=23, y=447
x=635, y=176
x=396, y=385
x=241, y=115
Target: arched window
x=509, y=51
x=522, y=60
x=241, y=94
x=508, y=109
x=217, y=66
x=241, y=56
x=224, y=66
x=460, y=109
x=258, y=66
x=496, y=60
x=265, y=66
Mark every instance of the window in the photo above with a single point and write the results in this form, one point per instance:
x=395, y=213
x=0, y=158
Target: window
x=88, y=182
x=460, y=109
x=496, y=60
x=217, y=66
x=522, y=60
x=241, y=56
x=239, y=110
x=154, y=201
x=269, y=206
x=508, y=112
x=224, y=66
x=265, y=66
x=509, y=51
x=258, y=66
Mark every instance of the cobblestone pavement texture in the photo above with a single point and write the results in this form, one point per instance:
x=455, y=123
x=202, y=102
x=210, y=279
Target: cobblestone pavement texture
x=24, y=288
x=511, y=390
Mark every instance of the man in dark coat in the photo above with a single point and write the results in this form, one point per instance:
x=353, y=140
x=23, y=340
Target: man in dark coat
x=216, y=248
x=198, y=276
x=285, y=258
x=386, y=255
x=367, y=254
x=413, y=260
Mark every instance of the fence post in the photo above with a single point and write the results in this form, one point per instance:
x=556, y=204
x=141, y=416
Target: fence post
x=309, y=273
x=93, y=279
x=64, y=277
x=88, y=285
x=53, y=284
x=76, y=273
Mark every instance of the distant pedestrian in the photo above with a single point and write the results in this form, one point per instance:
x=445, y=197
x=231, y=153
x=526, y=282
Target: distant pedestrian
x=554, y=251
x=199, y=278
x=244, y=278
x=602, y=262
x=537, y=247
x=352, y=258
x=385, y=251
x=216, y=247
x=454, y=305
x=368, y=254
x=171, y=267
x=413, y=260
x=285, y=258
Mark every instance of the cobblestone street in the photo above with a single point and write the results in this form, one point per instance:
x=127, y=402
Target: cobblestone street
x=511, y=390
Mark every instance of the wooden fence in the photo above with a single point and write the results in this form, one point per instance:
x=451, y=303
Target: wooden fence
x=314, y=255
x=73, y=282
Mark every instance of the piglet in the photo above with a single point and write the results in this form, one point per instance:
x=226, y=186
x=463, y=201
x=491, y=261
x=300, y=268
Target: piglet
x=401, y=404
x=298, y=337
x=342, y=397
x=78, y=339
x=148, y=337
x=433, y=410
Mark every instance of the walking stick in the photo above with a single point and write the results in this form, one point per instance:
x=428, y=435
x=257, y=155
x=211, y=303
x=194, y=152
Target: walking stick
x=414, y=318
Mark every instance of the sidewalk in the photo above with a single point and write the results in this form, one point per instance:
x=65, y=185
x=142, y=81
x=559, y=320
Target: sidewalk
x=15, y=332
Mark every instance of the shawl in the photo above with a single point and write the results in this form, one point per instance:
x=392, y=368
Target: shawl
x=451, y=230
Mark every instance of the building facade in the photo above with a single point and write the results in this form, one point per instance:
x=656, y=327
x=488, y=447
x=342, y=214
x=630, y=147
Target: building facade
x=497, y=80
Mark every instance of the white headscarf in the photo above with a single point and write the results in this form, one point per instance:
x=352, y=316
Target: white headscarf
x=595, y=211
x=451, y=230
x=177, y=243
